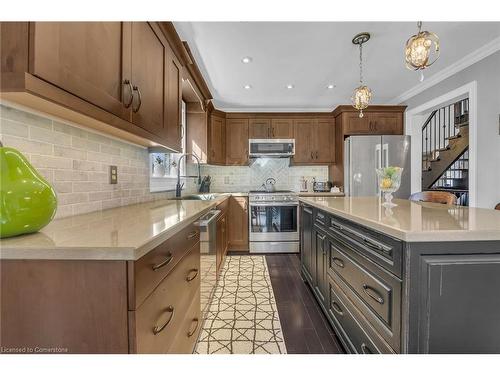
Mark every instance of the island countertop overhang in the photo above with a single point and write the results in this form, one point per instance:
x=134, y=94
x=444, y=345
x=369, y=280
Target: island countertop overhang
x=414, y=221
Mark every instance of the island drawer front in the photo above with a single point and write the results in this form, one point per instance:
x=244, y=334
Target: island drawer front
x=374, y=291
x=321, y=218
x=343, y=312
x=166, y=307
x=188, y=333
x=381, y=249
x=153, y=267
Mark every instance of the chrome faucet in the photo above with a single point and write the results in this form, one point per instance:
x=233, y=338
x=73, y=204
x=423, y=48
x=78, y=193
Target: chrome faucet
x=178, y=187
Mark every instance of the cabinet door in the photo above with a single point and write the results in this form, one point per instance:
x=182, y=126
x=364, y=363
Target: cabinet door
x=236, y=142
x=84, y=58
x=149, y=56
x=173, y=125
x=353, y=124
x=238, y=223
x=281, y=129
x=320, y=281
x=306, y=255
x=217, y=141
x=303, y=139
x=324, y=141
x=260, y=129
x=386, y=123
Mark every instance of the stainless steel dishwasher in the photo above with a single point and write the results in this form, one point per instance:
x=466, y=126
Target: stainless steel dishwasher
x=208, y=260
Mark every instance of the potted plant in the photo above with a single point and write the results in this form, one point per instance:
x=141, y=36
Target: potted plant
x=158, y=166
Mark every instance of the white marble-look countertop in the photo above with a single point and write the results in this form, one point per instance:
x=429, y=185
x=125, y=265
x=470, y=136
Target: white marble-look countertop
x=415, y=221
x=123, y=233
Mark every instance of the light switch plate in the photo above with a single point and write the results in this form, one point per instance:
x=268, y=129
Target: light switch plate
x=113, y=174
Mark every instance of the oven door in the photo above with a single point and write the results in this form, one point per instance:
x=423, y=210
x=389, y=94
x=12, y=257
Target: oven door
x=274, y=222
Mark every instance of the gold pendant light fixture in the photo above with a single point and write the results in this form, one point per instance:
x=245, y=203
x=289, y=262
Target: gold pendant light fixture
x=362, y=94
x=422, y=50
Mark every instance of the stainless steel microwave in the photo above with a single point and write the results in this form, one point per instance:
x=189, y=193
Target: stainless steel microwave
x=271, y=148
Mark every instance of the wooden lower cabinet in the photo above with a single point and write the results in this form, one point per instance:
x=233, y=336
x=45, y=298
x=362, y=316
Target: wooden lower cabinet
x=157, y=322
x=104, y=306
x=238, y=223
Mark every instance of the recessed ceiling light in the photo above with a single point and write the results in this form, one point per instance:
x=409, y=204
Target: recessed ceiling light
x=290, y=86
x=247, y=87
x=330, y=87
x=246, y=60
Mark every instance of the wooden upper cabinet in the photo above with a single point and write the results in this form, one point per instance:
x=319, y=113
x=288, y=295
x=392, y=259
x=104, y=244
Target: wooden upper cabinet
x=217, y=140
x=314, y=141
x=303, y=129
x=259, y=128
x=83, y=58
x=281, y=129
x=236, y=141
x=149, y=58
x=324, y=141
x=174, y=101
x=372, y=123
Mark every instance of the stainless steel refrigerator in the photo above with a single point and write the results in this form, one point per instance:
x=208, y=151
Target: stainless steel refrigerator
x=364, y=153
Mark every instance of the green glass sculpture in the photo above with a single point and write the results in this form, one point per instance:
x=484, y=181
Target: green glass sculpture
x=27, y=201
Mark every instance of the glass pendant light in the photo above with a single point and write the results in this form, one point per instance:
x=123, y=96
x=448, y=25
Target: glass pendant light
x=422, y=50
x=362, y=94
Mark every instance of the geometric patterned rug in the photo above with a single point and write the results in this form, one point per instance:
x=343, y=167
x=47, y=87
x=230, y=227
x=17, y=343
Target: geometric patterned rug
x=242, y=317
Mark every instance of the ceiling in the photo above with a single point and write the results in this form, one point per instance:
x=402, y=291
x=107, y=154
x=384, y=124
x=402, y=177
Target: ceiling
x=312, y=55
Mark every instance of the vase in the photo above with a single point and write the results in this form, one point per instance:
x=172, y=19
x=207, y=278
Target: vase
x=389, y=180
x=158, y=170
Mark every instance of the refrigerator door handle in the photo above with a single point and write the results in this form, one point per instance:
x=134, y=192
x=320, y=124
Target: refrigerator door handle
x=385, y=155
x=378, y=156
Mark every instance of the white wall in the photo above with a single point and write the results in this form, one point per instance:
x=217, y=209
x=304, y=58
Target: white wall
x=487, y=74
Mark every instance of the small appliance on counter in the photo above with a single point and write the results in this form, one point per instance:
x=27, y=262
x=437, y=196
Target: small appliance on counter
x=322, y=186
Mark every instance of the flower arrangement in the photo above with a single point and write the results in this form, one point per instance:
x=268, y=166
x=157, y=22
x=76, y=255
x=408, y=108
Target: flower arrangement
x=389, y=180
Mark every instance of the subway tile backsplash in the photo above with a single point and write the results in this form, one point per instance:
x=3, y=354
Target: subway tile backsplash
x=236, y=179
x=76, y=162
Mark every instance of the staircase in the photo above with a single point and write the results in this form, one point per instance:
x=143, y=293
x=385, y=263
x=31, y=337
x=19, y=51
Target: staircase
x=445, y=143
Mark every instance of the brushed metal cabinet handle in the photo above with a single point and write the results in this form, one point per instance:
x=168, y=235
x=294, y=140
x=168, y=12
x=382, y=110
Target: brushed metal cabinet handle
x=139, y=97
x=164, y=263
x=373, y=293
x=191, y=333
x=131, y=93
x=192, y=234
x=191, y=278
x=338, y=262
x=337, y=309
x=158, y=329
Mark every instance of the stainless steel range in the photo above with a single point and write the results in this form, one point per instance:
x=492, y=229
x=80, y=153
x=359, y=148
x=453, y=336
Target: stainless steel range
x=274, y=222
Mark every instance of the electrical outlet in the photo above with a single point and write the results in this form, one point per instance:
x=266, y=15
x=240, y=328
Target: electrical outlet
x=113, y=174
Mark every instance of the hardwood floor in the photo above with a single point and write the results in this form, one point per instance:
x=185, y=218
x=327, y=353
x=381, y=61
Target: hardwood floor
x=305, y=328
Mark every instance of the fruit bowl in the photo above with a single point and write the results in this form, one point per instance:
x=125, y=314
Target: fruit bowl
x=389, y=180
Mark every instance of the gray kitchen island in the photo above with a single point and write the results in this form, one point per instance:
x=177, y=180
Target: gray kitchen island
x=418, y=278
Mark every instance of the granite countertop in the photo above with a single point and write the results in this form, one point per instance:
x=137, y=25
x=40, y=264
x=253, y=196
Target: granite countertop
x=415, y=221
x=123, y=233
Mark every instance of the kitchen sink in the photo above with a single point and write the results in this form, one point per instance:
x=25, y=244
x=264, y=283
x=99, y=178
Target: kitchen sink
x=197, y=197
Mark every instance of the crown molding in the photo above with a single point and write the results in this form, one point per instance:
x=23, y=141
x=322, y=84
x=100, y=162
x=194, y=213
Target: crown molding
x=468, y=60
x=272, y=109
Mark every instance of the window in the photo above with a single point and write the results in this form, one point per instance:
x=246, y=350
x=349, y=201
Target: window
x=163, y=172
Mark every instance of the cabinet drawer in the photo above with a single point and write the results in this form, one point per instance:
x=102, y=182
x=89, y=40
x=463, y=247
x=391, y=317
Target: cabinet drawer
x=190, y=328
x=375, y=292
x=383, y=250
x=153, y=267
x=320, y=218
x=342, y=312
x=159, y=318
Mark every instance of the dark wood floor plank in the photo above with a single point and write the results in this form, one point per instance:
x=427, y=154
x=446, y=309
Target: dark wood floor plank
x=305, y=328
